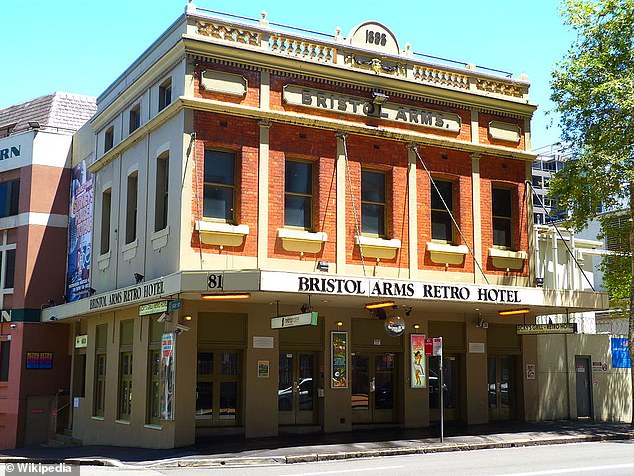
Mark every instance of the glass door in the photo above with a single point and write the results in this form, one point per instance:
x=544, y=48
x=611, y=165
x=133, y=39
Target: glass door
x=501, y=387
x=373, y=382
x=217, y=388
x=297, y=390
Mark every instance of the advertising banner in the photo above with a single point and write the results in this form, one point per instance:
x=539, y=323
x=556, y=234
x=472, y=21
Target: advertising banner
x=339, y=361
x=417, y=351
x=620, y=353
x=168, y=375
x=79, y=234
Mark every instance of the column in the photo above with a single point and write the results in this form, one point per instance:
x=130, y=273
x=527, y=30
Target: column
x=477, y=217
x=412, y=205
x=341, y=205
x=263, y=193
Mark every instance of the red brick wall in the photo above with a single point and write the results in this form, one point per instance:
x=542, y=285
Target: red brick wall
x=453, y=166
x=507, y=173
x=242, y=136
x=389, y=157
x=319, y=147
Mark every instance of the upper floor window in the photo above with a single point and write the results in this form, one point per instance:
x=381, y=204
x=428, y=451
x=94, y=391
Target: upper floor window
x=9, y=197
x=134, y=119
x=502, y=217
x=108, y=139
x=373, y=203
x=441, y=222
x=162, y=187
x=298, y=194
x=131, y=208
x=8, y=268
x=5, y=355
x=165, y=94
x=106, y=203
x=219, y=185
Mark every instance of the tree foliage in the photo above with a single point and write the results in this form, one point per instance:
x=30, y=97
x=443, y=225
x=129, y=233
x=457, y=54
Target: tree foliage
x=593, y=88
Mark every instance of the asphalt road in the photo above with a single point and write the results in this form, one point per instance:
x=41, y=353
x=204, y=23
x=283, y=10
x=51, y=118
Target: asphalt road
x=614, y=458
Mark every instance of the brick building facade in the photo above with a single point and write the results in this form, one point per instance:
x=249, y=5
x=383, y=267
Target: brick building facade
x=274, y=179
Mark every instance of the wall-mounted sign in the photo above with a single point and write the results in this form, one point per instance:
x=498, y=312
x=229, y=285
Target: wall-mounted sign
x=418, y=370
x=10, y=152
x=168, y=375
x=561, y=328
x=295, y=320
x=278, y=281
x=174, y=305
x=263, y=342
x=79, y=234
x=620, y=353
x=530, y=372
x=39, y=360
x=366, y=107
x=153, y=308
x=599, y=366
x=128, y=295
x=339, y=360
x=264, y=367
x=81, y=342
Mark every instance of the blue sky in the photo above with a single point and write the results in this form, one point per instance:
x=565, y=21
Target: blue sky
x=82, y=46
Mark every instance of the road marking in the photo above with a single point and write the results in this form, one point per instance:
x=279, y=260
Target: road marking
x=572, y=470
x=382, y=468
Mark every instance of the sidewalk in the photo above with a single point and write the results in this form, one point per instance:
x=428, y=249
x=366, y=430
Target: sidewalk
x=287, y=449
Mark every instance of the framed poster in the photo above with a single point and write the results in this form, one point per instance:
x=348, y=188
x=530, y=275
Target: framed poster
x=39, y=360
x=418, y=360
x=339, y=361
x=168, y=375
x=264, y=367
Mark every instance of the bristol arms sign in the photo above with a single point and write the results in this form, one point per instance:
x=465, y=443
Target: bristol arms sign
x=367, y=107
x=387, y=288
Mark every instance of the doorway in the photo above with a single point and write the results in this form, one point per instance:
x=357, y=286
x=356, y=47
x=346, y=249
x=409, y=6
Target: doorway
x=501, y=387
x=583, y=386
x=451, y=382
x=373, y=379
x=218, y=386
x=297, y=392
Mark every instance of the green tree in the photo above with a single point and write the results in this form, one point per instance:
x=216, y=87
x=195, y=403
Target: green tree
x=593, y=89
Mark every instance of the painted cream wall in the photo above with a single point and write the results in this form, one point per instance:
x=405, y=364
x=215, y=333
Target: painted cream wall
x=556, y=377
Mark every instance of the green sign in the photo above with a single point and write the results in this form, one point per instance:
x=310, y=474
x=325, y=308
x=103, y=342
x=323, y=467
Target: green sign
x=562, y=328
x=153, y=308
x=296, y=320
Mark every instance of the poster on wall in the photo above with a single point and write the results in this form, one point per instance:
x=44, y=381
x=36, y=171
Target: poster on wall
x=339, y=362
x=620, y=353
x=417, y=351
x=264, y=367
x=168, y=375
x=79, y=234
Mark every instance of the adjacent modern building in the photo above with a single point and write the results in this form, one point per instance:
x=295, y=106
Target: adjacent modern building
x=35, y=143
x=280, y=220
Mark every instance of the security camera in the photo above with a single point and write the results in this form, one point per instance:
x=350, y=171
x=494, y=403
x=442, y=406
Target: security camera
x=13, y=326
x=165, y=317
x=182, y=328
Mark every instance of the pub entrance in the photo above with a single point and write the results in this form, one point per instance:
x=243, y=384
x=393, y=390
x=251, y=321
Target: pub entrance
x=501, y=387
x=297, y=392
x=374, y=376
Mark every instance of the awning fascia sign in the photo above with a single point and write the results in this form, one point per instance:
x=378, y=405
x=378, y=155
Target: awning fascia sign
x=561, y=328
x=399, y=289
